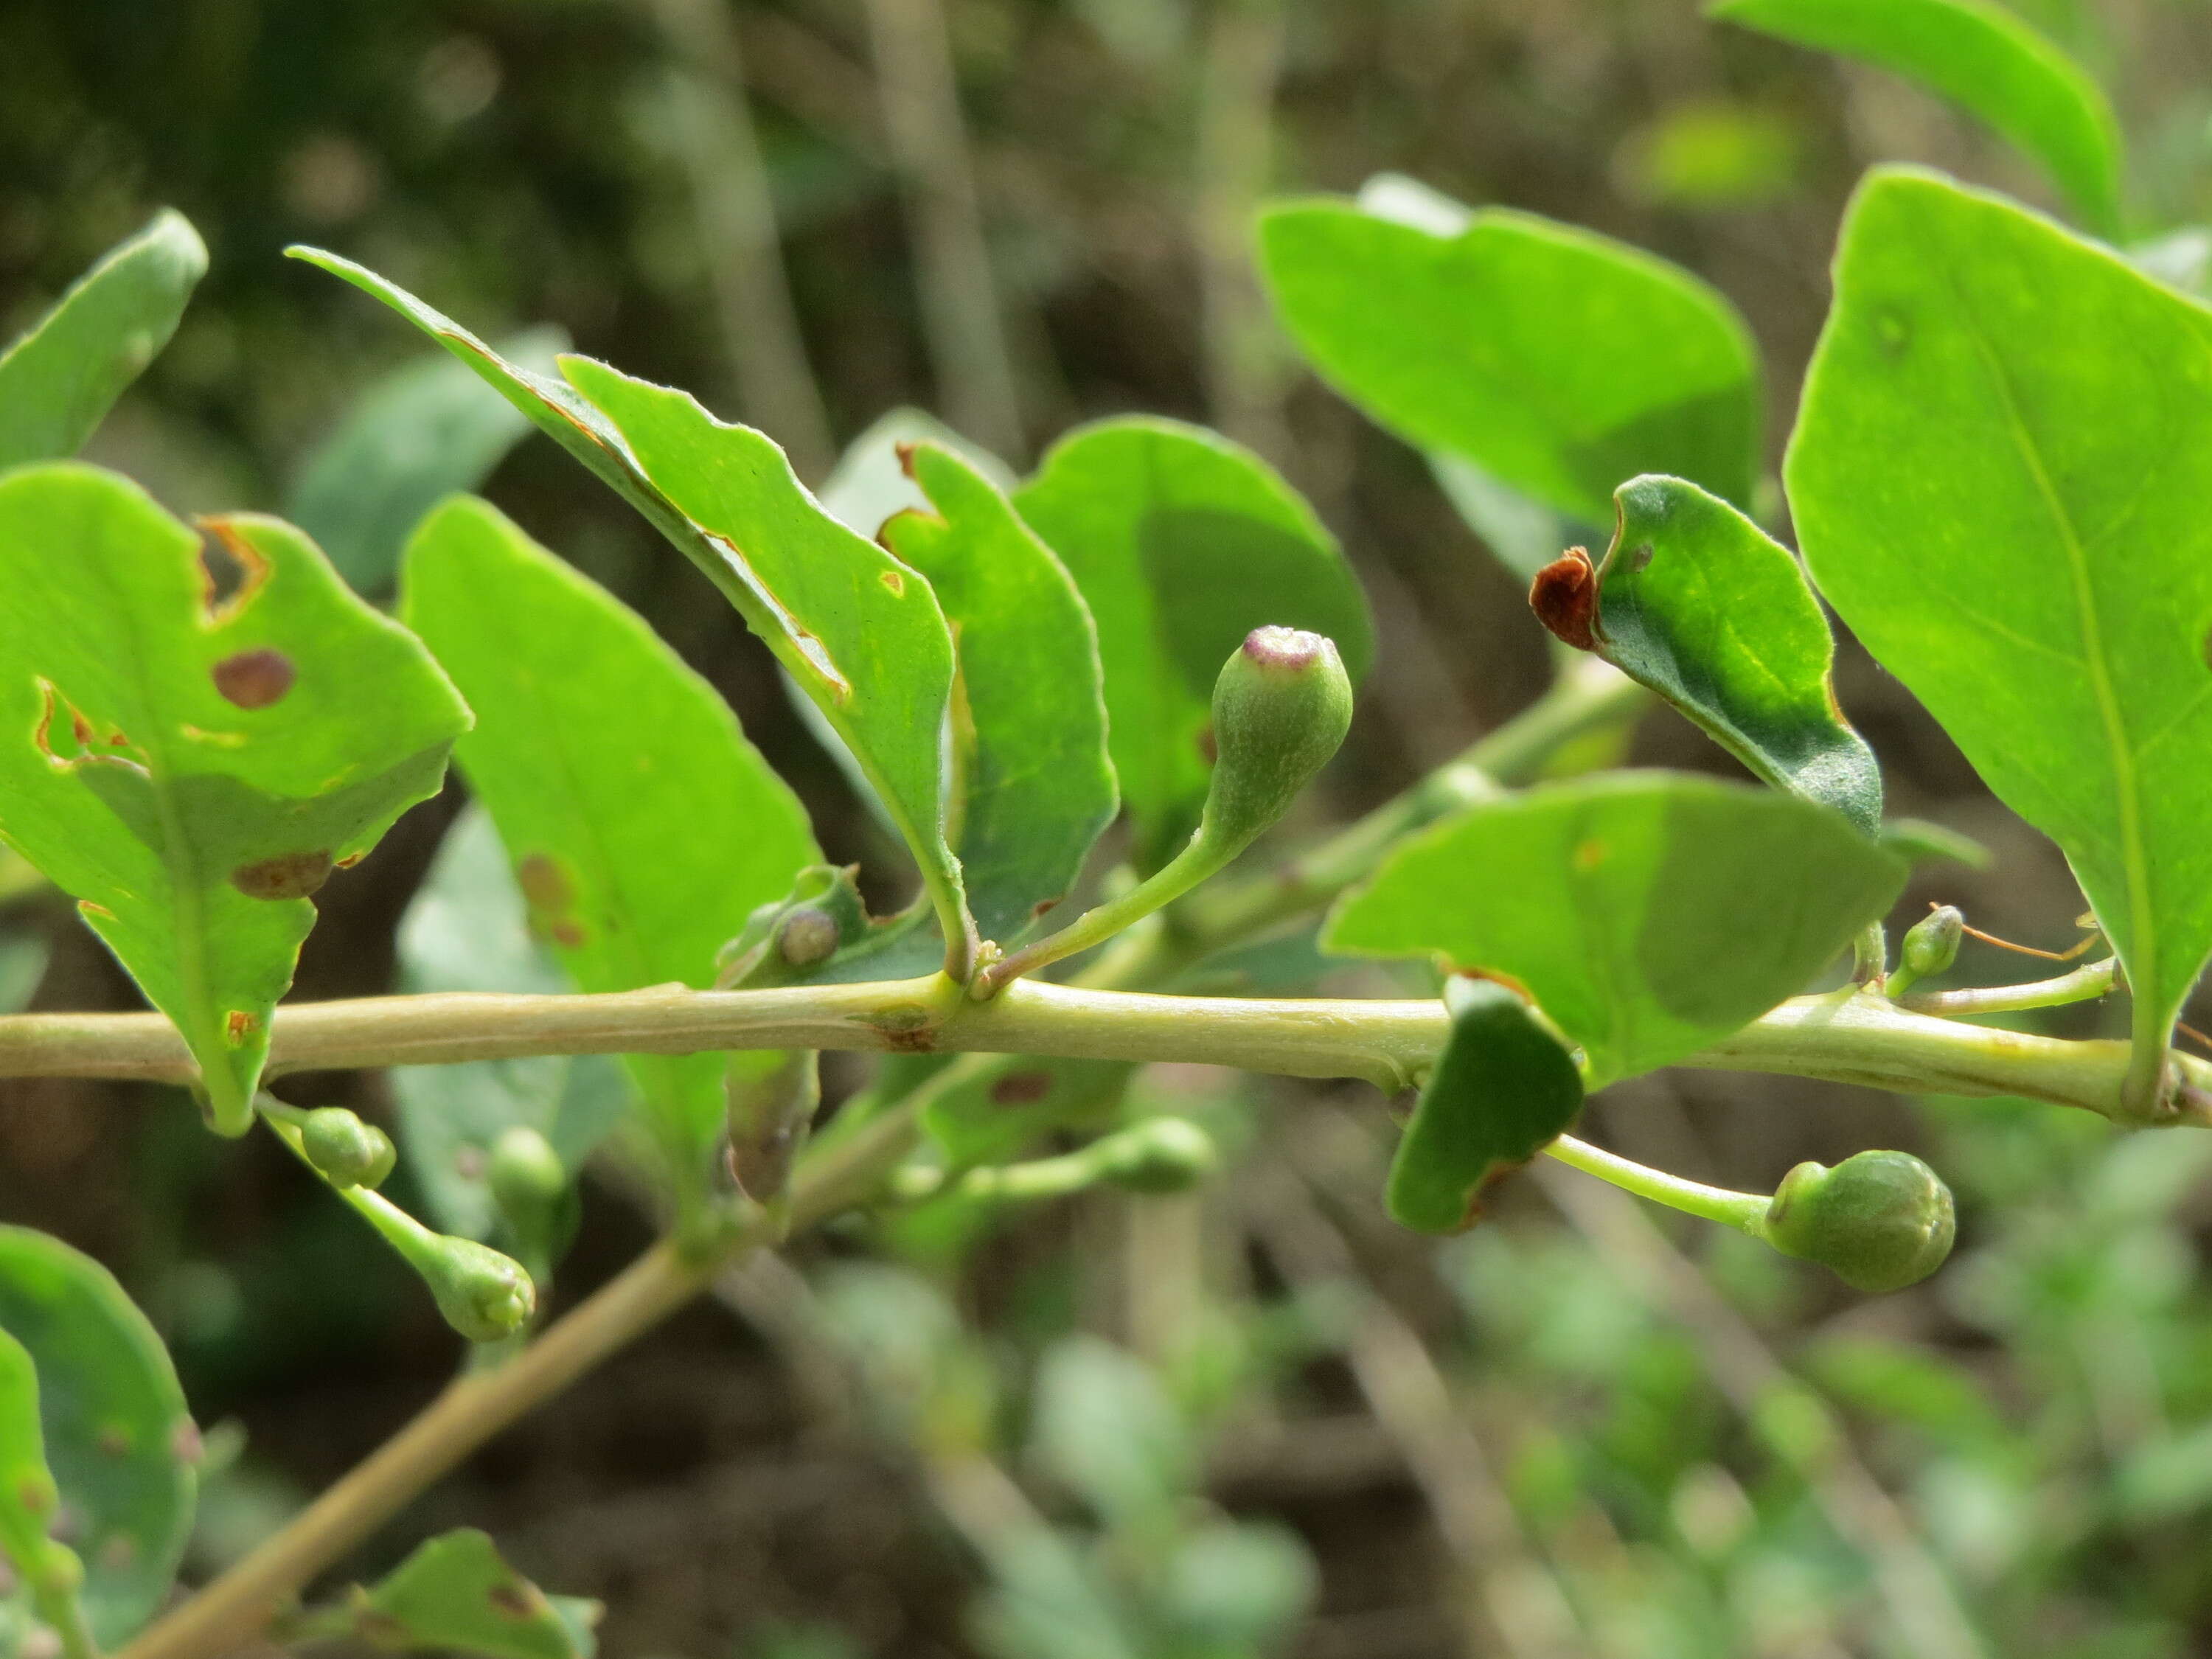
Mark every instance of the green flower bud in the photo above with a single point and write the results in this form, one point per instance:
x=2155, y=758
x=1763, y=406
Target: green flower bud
x=1880, y=1221
x=482, y=1294
x=346, y=1150
x=1931, y=944
x=1160, y=1155
x=525, y=1174
x=1280, y=709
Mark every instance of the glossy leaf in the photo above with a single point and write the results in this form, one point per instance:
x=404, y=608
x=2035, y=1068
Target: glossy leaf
x=60, y=380
x=189, y=772
x=859, y=632
x=413, y=438
x=1983, y=56
x=117, y=1437
x=456, y=1593
x=1182, y=543
x=643, y=828
x=1648, y=913
x=1035, y=786
x=1999, y=477
x=1696, y=601
x=468, y=929
x=1556, y=360
x=1502, y=1090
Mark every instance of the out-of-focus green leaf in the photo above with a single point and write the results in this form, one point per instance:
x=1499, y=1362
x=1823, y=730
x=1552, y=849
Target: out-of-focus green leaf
x=456, y=1593
x=1999, y=479
x=1182, y=543
x=990, y=1119
x=22, y=965
x=467, y=929
x=1034, y=787
x=28, y=1495
x=1104, y=1428
x=870, y=482
x=60, y=380
x=1502, y=1090
x=1712, y=153
x=642, y=826
x=1556, y=360
x=1695, y=601
x=1236, y=1587
x=117, y=1437
x=190, y=771
x=413, y=438
x=1983, y=56
x=1648, y=913
x=857, y=631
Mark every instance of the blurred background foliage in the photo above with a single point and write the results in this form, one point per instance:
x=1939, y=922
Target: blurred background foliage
x=1256, y=1419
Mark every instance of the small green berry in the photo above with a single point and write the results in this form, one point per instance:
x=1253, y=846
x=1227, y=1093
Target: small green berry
x=348, y=1151
x=1160, y=1155
x=1880, y=1221
x=1281, y=708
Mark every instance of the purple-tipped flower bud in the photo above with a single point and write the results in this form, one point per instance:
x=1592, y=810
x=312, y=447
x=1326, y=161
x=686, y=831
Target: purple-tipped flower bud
x=1280, y=710
x=484, y=1295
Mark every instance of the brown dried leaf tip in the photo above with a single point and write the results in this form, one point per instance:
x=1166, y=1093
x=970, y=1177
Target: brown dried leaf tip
x=1563, y=596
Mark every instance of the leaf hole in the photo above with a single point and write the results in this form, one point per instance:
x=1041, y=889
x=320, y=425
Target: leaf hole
x=232, y=571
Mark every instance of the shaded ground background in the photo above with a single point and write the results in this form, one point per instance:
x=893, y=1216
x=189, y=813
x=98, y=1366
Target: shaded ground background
x=1461, y=1437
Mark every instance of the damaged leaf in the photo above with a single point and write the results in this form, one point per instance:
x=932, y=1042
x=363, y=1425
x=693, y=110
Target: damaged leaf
x=1695, y=601
x=458, y=1594
x=190, y=771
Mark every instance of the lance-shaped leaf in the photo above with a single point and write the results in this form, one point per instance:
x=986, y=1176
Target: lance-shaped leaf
x=861, y=633
x=191, y=769
x=1648, y=913
x=1999, y=476
x=412, y=439
x=1695, y=601
x=1501, y=1091
x=1557, y=361
x=467, y=928
x=1034, y=787
x=456, y=1595
x=59, y=381
x=117, y=1436
x=1182, y=543
x=644, y=829
x=1983, y=56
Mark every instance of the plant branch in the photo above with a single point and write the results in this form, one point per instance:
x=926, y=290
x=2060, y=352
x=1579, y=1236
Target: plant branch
x=233, y=1610
x=2091, y=979
x=1745, y=1212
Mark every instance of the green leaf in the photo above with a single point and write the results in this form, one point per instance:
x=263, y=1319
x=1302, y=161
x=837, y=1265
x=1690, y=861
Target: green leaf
x=870, y=482
x=117, y=1437
x=1983, y=58
x=1182, y=543
x=1999, y=477
x=1695, y=601
x=1035, y=786
x=456, y=1593
x=467, y=929
x=190, y=771
x=59, y=381
x=1105, y=1427
x=1502, y=1090
x=28, y=1495
x=992, y=1118
x=643, y=827
x=428, y=429
x=860, y=633
x=1648, y=913
x=1555, y=360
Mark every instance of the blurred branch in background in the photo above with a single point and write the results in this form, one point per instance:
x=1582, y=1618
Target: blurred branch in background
x=735, y=209
x=1244, y=368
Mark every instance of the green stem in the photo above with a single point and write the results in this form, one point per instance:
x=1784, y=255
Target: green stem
x=2086, y=983
x=1202, y=858
x=1745, y=1212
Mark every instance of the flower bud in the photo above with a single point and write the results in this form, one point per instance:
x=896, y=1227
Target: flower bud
x=1931, y=944
x=1281, y=708
x=526, y=1176
x=1880, y=1221
x=346, y=1150
x=1160, y=1155
x=484, y=1295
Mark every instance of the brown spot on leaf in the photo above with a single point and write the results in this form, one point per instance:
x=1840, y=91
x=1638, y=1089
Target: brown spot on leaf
x=80, y=729
x=1021, y=1089
x=287, y=876
x=545, y=883
x=1044, y=905
x=1590, y=855
x=254, y=679
x=381, y=1629
x=117, y=1551
x=349, y=861
x=1563, y=596
x=893, y=580
x=569, y=934
x=238, y=1025
x=904, y=450
x=114, y=1440
x=512, y=1601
